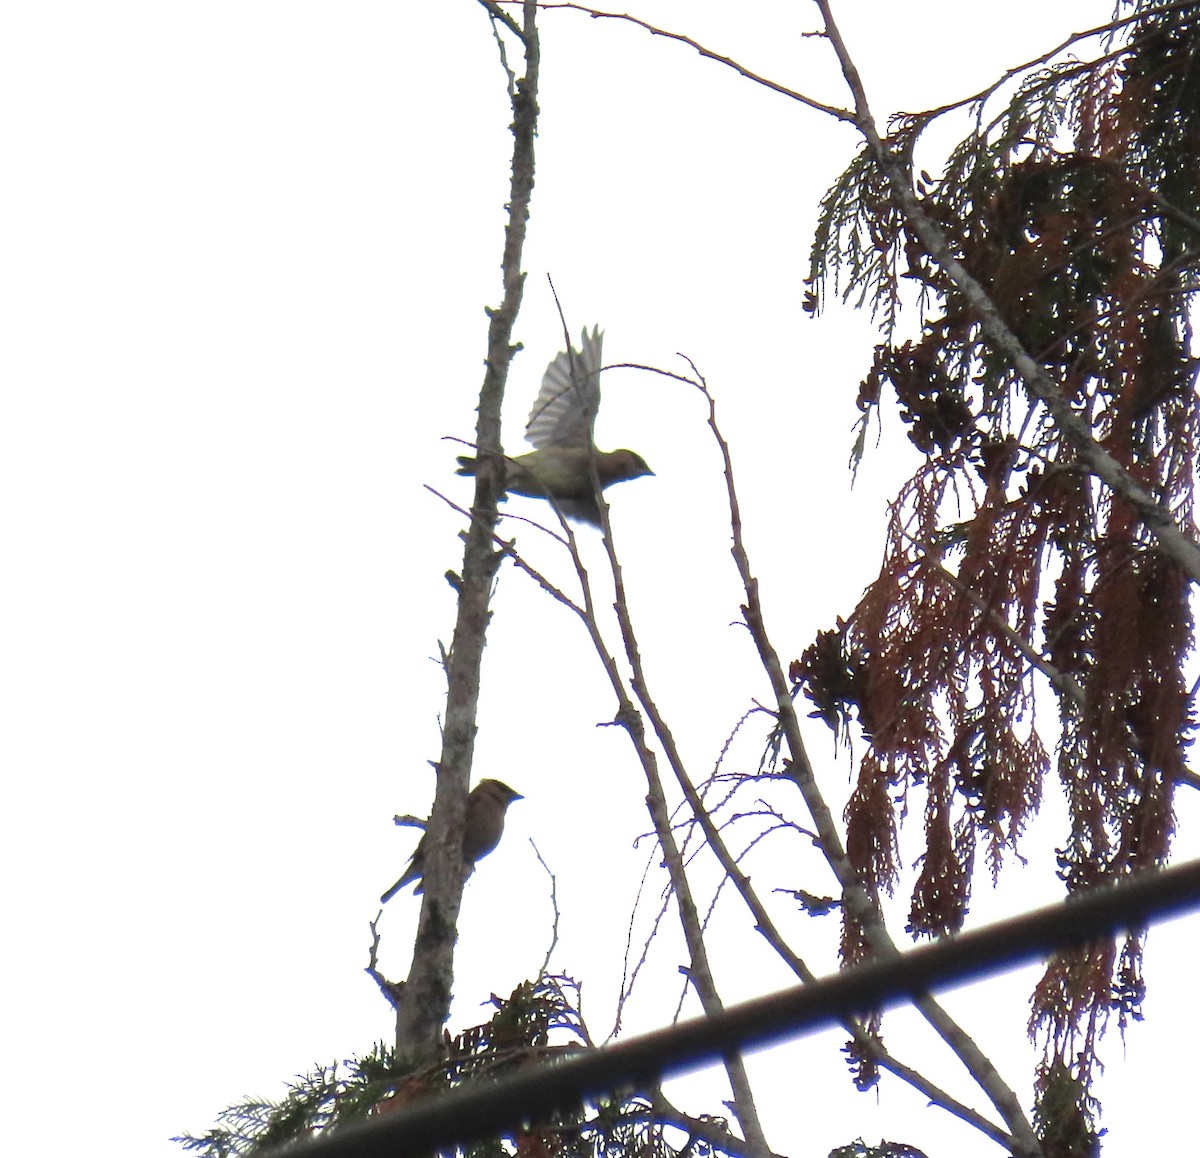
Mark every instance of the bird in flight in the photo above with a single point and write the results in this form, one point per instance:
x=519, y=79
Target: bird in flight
x=560, y=428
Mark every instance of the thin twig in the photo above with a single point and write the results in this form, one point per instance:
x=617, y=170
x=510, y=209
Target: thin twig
x=707, y=53
x=541, y=973
x=862, y=907
x=700, y=972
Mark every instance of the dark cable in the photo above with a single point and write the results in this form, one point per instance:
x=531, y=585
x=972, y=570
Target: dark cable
x=486, y=1110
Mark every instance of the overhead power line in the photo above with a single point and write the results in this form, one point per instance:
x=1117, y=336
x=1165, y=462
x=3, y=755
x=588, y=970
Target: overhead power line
x=486, y=1109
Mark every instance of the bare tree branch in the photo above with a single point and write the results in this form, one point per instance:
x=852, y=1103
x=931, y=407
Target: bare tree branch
x=829, y=842
x=708, y=54
x=426, y=999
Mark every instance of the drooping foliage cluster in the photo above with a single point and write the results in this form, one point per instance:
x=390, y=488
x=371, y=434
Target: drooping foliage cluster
x=1076, y=206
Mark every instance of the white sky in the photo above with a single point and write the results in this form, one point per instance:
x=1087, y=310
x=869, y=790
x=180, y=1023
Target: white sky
x=246, y=250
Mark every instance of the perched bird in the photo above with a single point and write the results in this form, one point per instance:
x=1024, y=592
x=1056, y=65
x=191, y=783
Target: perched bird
x=486, y=806
x=560, y=426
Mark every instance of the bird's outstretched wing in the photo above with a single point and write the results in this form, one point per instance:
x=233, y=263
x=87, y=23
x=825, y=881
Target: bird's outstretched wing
x=566, y=405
